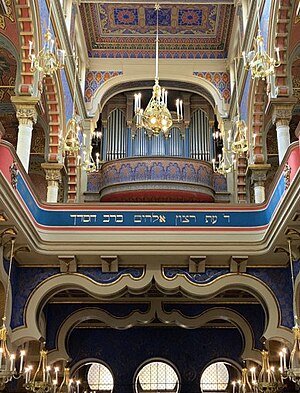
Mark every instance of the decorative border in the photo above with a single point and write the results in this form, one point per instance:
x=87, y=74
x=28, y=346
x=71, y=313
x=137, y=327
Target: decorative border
x=221, y=80
x=95, y=79
x=159, y=217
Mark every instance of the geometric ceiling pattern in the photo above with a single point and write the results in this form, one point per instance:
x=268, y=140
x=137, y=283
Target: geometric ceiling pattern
x=117, y=30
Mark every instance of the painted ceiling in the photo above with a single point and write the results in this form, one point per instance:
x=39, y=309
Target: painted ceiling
x=127, y=29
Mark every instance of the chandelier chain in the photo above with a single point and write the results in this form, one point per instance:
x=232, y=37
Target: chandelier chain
x=8, y=280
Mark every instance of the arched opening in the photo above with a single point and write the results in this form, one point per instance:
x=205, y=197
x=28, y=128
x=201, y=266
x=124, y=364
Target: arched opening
x=157, y=375
x=216, y=377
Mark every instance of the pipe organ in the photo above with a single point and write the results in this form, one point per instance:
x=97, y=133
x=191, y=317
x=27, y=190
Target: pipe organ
x=118, y=143
x=116, y=136
x=158, y=168
x=200, y=139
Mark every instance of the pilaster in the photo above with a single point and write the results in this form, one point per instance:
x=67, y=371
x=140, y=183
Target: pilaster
x=258, y=179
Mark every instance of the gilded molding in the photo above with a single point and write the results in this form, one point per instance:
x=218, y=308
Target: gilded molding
x=26, y=115
x=287, y=175
x=8, y=14
x=282, y=114
x=259, y=173
x=25, y=109
x=53, y=172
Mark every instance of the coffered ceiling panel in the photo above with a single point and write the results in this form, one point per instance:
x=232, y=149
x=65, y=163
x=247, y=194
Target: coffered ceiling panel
x=127, y=30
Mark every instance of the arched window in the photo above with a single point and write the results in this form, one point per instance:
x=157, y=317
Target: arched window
x=100, y=378
x=157, y=376
x=215, y=378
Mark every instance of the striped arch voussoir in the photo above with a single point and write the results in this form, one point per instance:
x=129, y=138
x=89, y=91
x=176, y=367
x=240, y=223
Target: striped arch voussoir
x=26, y=28
x=51, y=94
x=259, y=104
x=281, y=41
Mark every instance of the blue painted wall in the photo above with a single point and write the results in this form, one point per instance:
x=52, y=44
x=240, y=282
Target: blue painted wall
x=125, y=350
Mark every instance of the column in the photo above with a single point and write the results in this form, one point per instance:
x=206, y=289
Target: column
x=53, y=177
x=281, y=116
x=258, y=179
x=27, y=116
x=231, y=177
x=88, y=127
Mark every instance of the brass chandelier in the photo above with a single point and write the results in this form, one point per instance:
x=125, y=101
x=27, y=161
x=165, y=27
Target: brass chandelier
x=266, y=381
x=8, y=369
x=291, y=369
x=45, y=379
x=49, y=59
x=270, y=380
x=236, y=144
x=239, y=145
x=258, y=61
x=156, y=118
x=69, y=142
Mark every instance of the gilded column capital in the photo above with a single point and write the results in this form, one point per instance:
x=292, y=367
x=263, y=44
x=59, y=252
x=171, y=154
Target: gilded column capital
x=25, y=109
x=282, y=112
x=259, y=173
x=53, y=171
x=26, y=115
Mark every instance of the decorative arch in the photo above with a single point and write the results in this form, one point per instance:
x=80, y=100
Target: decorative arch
x=53, y=93
x=123, y=83
x=25, y=9
x=29, y=27
x=280, y=26
x=258, y=110
x=9, y=46
x=156, y=310
x=55, y=284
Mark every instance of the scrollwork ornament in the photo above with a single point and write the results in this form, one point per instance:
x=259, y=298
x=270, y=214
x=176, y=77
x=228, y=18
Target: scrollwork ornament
x=26, y=115
x=282, y=116
x=14, y=172
x=287, y=175
x=8, y=14
x=53, y=175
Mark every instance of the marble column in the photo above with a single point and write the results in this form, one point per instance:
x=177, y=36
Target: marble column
x=53, y=177
x=281, y=116
x=258, y=179
x=27, y=115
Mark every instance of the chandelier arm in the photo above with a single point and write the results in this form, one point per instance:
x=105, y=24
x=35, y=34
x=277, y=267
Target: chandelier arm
x=8, y=280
